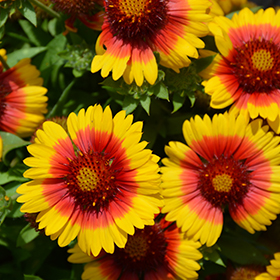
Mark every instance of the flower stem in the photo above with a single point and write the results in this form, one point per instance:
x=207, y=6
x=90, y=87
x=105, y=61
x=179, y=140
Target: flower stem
x=61, y=102
x=4, y=63
x=45, y=8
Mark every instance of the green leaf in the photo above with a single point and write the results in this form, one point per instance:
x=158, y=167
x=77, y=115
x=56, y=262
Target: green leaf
x=28, y=12
x=35, y=34
x=240, y=250
x=129, y=104
x=177, y=101
x=211, y=254
x=13, y=174
x=10, y=142
x=16, y=56
x=4, y=205
x=32, y=277
x=145, y=102
x=161, y=91
x=55, y=46
x=4, y=13
x=26, y=235
x=2, y=31
x=192, y=98
x=55, y=27
x=51, y=58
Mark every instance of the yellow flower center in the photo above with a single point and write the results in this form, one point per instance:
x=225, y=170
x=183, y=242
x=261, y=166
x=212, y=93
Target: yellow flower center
x=222, y=183
x=137, y=247
x=87, y=179
x=133, y=7
x=262, y=60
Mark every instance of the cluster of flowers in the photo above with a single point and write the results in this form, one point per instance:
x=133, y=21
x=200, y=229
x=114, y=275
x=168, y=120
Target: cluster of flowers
x=97, y=182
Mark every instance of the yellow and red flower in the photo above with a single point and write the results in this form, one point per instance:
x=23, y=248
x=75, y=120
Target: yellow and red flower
x=228, y=163
x=247, y=70
x=156, y=252
x=98, y=184
x=22, y=98
x=273, y=270
x=133, y=30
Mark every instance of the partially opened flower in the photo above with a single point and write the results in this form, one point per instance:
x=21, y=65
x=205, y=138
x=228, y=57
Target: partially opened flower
x=22, y=99
x=98, y=184
x=228, y=163
x=247, y=70
x=133, y=30
x=156, y=252
x=273, y=270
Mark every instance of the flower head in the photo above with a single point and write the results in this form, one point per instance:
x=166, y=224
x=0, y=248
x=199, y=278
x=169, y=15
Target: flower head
x=155, y=252
x=273, y=270
x=246, y=73
x=227, y=163
x=133, y=30
x=22, y=99
x=98, y=184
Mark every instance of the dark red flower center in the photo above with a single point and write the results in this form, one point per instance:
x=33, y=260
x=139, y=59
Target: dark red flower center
x=136, y=19
x=92, y=181
x=256, y=66
x=143, y=252
x=224, y=181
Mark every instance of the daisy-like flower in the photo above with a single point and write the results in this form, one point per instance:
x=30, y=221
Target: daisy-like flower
x=247, y=70
x=22, y=99
x=155, y=252
x=98, y=184
x=228, y=163
x=133, y=30
x=273, y=270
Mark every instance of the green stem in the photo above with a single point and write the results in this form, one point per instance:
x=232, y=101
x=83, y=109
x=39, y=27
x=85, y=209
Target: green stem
x=45, y=8
x=4, y=63
x=61, y=102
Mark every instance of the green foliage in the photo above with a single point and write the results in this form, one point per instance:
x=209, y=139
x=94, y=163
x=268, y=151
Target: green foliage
x=78, y=57
x=135, y=95
x=11, y=142
x=4, y=205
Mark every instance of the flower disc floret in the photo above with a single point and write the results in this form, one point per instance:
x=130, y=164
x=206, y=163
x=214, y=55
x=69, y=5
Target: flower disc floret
x=99, y=181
